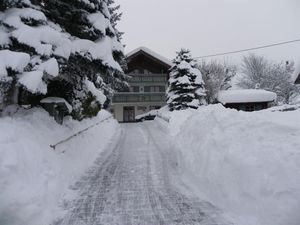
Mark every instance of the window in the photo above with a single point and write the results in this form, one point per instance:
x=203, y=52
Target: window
x=154, y=89
x=142, y=108
x=147, y=89
x=134, y=89
x=152, y=107
x=162, y=89
x=250, y=108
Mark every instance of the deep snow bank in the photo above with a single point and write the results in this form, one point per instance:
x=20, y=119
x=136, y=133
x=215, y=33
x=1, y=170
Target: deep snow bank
x=248, y=164
x=33, y=177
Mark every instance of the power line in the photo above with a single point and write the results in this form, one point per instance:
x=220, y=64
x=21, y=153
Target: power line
x=248, y=49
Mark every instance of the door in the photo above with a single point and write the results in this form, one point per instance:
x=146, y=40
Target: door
x=128, y=114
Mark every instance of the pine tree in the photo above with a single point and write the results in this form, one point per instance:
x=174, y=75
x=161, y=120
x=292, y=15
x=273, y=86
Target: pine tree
x=115, y=16
x=186, y=87
x=121, y=78
x=78, y=40
x=27, y=64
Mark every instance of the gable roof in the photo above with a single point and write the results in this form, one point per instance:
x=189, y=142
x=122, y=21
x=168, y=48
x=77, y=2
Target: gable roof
x=151, y=53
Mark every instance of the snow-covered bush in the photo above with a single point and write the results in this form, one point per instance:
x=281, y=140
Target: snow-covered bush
x=60, y=48
x=216, y=76
x=186, y=87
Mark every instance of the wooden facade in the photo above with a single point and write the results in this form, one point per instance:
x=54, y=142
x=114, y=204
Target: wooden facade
x=148, y=83
x=249, y=106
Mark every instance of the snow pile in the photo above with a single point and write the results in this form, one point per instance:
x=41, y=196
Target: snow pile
x=247, y=164
x=244, y=96
x=34, y=177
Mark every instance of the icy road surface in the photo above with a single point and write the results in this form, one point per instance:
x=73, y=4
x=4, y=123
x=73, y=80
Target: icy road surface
x=131, y=184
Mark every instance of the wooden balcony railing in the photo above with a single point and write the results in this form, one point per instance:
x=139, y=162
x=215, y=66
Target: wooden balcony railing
x=148, y=78
x=124, y=97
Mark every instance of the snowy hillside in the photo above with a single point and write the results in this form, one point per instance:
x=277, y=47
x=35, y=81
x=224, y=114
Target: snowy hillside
x=34, y=177
x=247, y=164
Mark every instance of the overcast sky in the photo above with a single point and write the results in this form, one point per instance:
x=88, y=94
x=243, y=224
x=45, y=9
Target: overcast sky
x=211, y=26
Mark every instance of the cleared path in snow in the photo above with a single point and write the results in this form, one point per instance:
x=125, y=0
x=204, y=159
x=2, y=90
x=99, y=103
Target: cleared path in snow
x=131, y=184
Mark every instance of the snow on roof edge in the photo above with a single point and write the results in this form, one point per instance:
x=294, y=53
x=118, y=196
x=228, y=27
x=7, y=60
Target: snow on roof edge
x=57, y=100
x=152, y=53
x=246, y=95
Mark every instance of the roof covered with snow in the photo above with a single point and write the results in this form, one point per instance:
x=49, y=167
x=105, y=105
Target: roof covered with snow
x=152, y=53
x=247, y=95
x=52, y=100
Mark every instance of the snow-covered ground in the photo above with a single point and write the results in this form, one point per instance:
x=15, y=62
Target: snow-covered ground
x=247, y=164
x=34, y=178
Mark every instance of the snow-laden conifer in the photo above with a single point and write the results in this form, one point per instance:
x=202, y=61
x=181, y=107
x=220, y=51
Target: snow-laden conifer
x=66, y=49
x=186, y=87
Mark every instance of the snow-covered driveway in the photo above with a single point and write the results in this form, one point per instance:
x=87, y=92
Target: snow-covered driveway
x=131, y=183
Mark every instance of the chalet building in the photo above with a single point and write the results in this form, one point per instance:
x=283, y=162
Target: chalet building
x=149, y=76
x=247, y=100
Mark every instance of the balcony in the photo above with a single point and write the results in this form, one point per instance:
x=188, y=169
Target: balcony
x=130, y=97
x=148, y=78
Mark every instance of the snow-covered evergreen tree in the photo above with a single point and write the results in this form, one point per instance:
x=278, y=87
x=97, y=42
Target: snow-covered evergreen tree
x=65, y=48
x=186, y=86
x=115, y=16
x=26, y=59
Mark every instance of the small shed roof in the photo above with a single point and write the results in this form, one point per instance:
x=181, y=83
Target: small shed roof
x=245, y=96
x=56, y=100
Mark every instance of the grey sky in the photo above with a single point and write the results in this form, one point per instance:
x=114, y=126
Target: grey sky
x=211, y=26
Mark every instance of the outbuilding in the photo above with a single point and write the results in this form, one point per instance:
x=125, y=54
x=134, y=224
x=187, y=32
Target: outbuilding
x=247, y=100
